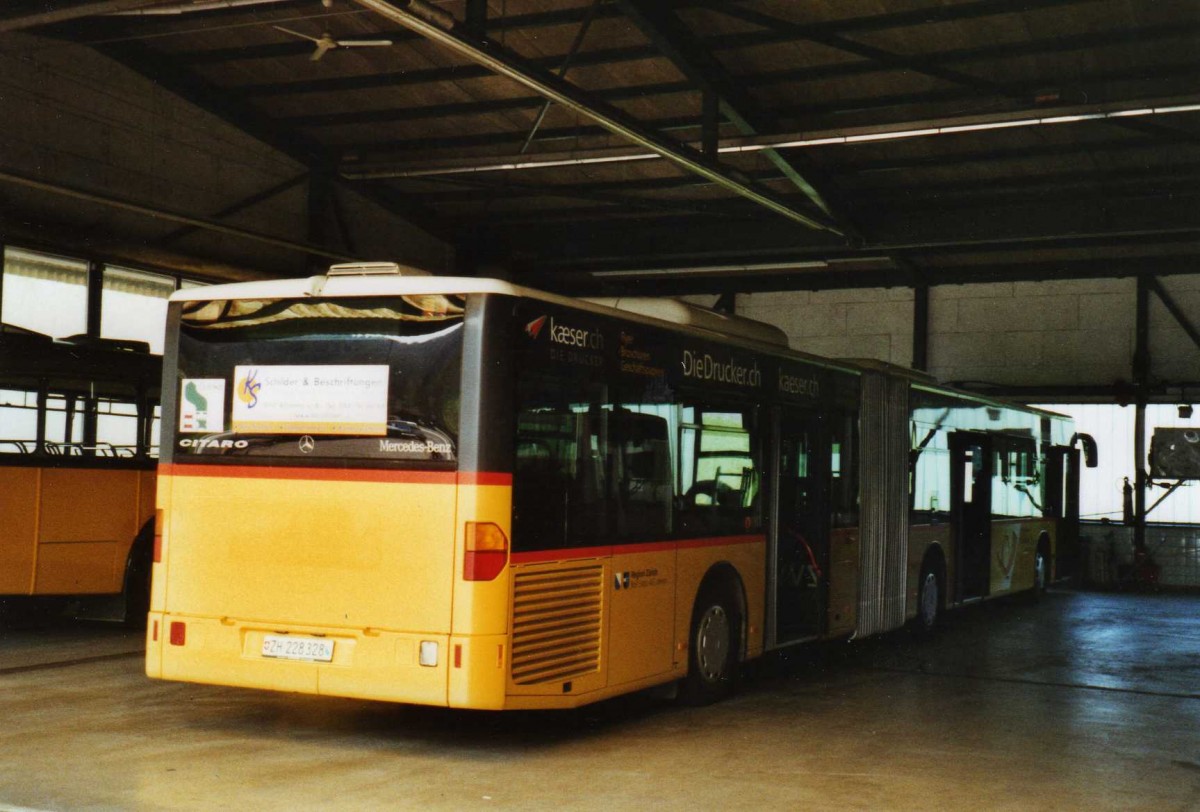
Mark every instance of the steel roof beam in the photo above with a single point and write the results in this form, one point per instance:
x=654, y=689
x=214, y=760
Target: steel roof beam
x=1051, y=186
x=1181, y=71
x=952, y=231
x=219, y=103
x=165, y=215
x=481, y=191
x=917, y=17
x=679, y=44
x=1117, y=187
x=923, y=128
x=1016, y=153
x=503, y=62
x=1177, y=312
x=893, y=60
x=239, y=206
x=1177, y=173
x=581, y=191
x=611, y=56
x=457, y=73
x=497, y=25
x=813, y=279
x=491, y=139
x=835, y=40
x=1066, y=187
x=840, y=106
x=21, y=22
x=533, y=21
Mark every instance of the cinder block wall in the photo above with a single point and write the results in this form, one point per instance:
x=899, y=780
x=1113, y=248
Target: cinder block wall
x=1033, y=332
x=1024, y=333
x=870, y=323
x=1174, y=355
x=76, y=118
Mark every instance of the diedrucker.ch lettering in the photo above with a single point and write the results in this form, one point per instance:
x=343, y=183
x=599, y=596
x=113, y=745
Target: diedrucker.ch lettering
x=704, y=367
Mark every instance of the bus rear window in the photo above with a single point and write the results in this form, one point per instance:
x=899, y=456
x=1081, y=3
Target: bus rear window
x=320, y=380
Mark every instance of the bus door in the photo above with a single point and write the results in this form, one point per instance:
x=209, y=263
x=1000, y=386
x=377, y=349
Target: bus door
x=971, y=509
x=801, y=530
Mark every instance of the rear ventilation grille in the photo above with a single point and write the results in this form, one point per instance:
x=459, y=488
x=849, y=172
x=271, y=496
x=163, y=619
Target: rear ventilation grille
x=556, y=624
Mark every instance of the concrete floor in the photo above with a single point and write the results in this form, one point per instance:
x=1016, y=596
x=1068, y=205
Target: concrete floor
x=1085, y=701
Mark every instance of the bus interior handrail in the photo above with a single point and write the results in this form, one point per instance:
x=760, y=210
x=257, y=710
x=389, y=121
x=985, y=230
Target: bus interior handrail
x=99, y=449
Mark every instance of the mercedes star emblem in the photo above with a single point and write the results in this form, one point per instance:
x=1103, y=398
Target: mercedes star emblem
x=307, y=444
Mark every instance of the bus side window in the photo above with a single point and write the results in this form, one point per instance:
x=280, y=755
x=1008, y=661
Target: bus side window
x=562, y=489
x=643, y=474
x=1014, y=478
x=588, y=499
x=18, y=421
x=795, y=486
x=65, y=415
x=541, y=480
x=719, y=472
x=116, y=427
x=929, y=480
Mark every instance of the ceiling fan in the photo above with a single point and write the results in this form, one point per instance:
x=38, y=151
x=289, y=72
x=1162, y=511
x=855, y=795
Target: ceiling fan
x=326, y=42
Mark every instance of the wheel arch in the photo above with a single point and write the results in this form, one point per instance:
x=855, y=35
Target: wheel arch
x=724, y=578
x=135, y=583
x=1045, y=546
x=935, y=559
x=1045, y=543
x=141, y=550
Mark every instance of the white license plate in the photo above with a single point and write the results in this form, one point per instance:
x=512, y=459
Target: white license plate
x=289, y=647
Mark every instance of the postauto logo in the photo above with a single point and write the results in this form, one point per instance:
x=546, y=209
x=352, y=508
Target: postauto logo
x=534, y=328
x=565, y=334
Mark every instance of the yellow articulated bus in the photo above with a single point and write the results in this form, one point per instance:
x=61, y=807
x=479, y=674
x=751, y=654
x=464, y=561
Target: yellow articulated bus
x=464, y=493
x=77, y=448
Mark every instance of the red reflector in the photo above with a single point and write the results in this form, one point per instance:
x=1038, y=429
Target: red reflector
x=483, y=565
x=458, y=655
x=154, y=634
x=178, y=633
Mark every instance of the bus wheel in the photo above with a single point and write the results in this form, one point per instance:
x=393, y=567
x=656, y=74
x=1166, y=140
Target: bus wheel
x=712, y=649
x=929, y=601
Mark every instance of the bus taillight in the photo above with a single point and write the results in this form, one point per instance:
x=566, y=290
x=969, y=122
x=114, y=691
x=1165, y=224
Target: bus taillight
x=486, y=553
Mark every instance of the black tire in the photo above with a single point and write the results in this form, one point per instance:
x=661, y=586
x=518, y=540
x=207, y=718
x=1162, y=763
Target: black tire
x=930, y=600
x=712, y=648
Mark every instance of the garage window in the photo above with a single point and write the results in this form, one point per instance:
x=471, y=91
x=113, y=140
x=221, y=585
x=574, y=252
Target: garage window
x=1101, y=490
x=32, y=279
x=134, y=305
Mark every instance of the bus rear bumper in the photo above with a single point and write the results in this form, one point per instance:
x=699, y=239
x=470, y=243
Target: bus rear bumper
x=362, y=663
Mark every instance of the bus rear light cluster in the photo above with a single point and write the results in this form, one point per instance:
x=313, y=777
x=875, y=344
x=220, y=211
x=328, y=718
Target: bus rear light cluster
x=486, y=551
x=178, y=633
